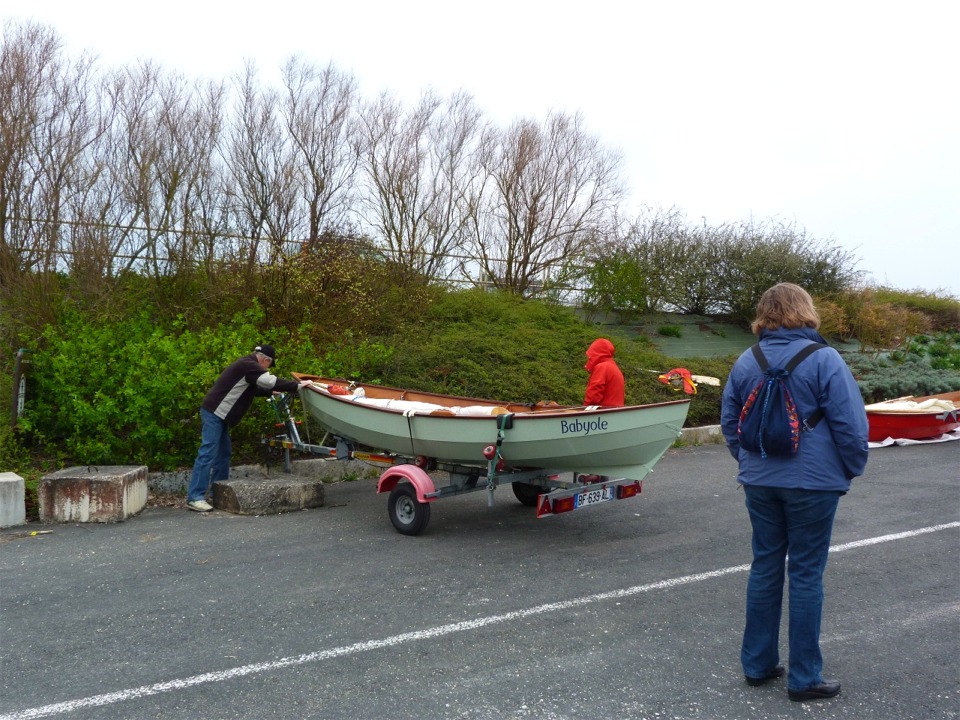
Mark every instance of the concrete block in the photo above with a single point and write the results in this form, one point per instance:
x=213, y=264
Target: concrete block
x=706, y=435
x=169, y=482
x=267, y=495
x=13, y=502
x=93, y=493
x=332, y=470
x=326, y=469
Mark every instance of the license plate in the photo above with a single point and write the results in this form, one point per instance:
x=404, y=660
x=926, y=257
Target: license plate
x=592, y=497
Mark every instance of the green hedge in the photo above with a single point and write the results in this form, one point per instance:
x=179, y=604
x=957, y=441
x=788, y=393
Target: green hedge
x=128, y=392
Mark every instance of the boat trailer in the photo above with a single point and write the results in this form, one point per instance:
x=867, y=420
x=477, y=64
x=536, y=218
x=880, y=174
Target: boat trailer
x=411, y=481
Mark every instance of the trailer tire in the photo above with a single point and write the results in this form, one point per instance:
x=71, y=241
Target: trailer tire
x=527, y=493
x=408, y=515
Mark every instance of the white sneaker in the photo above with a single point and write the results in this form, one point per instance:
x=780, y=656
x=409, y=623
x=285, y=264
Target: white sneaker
x=200, y=505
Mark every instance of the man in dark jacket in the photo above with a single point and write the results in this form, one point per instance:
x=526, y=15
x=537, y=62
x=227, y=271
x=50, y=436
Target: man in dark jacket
x=222, y=408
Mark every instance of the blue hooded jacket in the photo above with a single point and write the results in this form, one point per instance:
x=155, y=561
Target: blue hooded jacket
x=831, y=454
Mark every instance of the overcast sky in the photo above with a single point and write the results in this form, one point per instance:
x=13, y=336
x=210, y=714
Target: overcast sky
x=841, y=117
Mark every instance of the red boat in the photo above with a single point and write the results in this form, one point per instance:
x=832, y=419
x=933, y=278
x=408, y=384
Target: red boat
x=914, y=418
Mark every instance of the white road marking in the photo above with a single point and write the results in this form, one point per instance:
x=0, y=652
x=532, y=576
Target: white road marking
x=439, y=631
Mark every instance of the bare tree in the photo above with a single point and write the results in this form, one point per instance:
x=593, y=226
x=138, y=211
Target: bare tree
x=262, y=189
x=419, y=165
x=551, y=193
x=51, y=120
x=191, y=125
x=70, y=124
x=319, y=111
x=81, y=154
x=30, y=58
x=205, y=215
x=166, y=133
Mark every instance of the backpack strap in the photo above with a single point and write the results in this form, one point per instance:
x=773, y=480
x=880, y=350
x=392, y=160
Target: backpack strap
x=817, y=415
x=811, y=422
x=802, y=355
x=760, y=357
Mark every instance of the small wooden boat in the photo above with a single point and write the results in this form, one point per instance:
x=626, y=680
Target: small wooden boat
x=622, y=442
x=914, y=418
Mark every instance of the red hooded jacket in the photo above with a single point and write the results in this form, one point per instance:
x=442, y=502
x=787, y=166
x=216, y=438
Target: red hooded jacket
x=605, y=386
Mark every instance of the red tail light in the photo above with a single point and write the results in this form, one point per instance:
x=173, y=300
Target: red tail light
x=563, y=505
x=628, y=491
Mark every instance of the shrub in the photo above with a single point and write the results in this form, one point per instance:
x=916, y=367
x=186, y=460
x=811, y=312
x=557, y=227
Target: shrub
x=875, y=324
x=123, y=392
x=942, y=310
x=833, y=319
x=496, y=345
x=886, y=378
x=129, y=392
x=493, y=344
x=941, y=351
x=670, y=331
x=617, y=283
x=13, y=455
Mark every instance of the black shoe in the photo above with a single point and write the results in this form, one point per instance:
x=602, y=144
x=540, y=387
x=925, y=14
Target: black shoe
x=776, y=672
x=820, y=691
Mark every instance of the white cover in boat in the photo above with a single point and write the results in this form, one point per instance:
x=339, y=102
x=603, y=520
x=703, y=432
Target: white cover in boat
x=426, y=408
x=909, y=406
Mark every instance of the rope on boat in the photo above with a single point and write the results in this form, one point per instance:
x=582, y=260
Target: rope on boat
x=408, y=414
x=504, y=422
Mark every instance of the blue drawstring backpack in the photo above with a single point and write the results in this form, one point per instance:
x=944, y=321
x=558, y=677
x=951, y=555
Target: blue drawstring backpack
x=769, y=422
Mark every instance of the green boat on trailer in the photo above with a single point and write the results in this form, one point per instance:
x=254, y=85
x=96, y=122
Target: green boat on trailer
x=604, y=453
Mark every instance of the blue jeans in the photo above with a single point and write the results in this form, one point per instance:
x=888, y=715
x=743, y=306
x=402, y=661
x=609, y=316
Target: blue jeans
x=213, y=458
x=792, y=525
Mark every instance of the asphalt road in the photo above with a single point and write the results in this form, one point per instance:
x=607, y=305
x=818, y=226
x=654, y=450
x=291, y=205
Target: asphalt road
x=632, y=609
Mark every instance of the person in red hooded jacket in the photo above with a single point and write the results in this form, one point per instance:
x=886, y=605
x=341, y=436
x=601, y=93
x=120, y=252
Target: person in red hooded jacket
x=605, y=386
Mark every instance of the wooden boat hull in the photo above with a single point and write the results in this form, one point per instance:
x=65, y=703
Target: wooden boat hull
x=886, y=423
x=618, y=442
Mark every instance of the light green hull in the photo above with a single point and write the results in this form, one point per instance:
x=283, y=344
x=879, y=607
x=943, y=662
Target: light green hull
x=618, y=442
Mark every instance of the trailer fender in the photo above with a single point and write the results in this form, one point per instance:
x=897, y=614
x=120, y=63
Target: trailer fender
x=412, y=474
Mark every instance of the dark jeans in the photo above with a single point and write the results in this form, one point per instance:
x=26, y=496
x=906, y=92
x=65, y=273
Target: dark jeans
x=213, y=458
x=792, y=525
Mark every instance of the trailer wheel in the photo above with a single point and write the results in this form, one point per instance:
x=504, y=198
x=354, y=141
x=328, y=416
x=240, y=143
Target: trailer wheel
x=408, y=515
x=527, y=494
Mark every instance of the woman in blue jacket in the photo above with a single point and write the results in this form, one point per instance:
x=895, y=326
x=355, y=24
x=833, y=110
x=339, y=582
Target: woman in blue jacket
x=792, y=500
